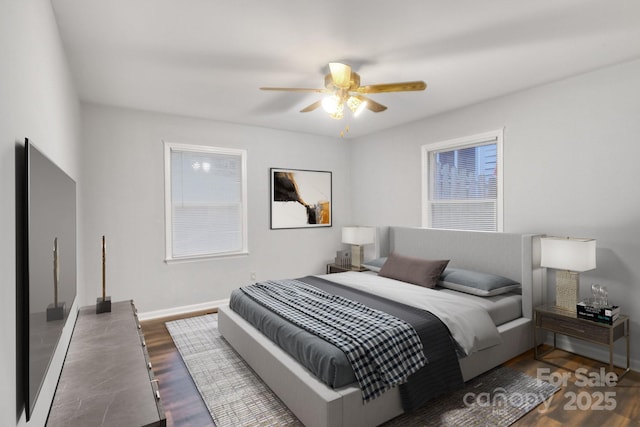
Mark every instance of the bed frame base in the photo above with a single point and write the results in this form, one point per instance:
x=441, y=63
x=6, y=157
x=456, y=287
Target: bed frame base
x=315, y=404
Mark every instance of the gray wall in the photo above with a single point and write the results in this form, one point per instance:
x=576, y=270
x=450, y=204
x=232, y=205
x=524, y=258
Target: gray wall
x=37, y=100
x=571, y=155
x=123, y=199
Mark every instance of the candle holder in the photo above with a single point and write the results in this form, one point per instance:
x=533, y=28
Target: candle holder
x=103, y=304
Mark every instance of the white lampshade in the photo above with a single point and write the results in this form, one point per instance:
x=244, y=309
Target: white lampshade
x=358, y=235
x=567, y=253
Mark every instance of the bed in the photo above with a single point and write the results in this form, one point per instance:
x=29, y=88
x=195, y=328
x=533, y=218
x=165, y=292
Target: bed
x=515, y=256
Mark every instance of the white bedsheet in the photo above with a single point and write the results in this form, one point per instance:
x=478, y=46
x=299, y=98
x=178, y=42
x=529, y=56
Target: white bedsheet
x=469, y=323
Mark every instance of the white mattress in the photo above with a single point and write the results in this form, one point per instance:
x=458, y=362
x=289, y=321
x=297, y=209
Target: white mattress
x=501, y=308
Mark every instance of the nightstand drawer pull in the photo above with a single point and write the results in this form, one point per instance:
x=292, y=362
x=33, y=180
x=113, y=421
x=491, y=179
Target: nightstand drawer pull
x=580, y=331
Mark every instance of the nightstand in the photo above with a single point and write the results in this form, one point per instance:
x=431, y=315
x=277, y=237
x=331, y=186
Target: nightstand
x=567, y=323
x=335, y=268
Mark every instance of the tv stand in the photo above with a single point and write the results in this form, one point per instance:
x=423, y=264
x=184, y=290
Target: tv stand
x=106, y=378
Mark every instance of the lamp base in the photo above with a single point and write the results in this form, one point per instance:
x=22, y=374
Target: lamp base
x=103, y=306
x=56, y=312
x=357, y=255
x=567, y=285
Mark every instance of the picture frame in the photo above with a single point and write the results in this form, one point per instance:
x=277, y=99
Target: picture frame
x=300, y=198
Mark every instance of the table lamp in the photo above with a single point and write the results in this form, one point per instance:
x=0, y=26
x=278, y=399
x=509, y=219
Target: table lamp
x=357, y=237
x=569, y=256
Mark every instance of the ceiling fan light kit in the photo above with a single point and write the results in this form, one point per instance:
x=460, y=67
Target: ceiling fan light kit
x=342, y=86
x=356, y=105
x=333, y=105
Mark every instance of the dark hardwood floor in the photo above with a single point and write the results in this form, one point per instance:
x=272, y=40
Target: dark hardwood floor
x=579, y=403
x=182, y=402
x=583, y=401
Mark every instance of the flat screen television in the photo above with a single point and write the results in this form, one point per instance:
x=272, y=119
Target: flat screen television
x=46, y=252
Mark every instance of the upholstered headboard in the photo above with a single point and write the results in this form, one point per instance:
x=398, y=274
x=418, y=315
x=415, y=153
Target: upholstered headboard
x=516, y=256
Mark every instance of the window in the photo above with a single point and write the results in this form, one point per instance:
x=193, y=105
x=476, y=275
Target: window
x=462, y=183
x=205, y=201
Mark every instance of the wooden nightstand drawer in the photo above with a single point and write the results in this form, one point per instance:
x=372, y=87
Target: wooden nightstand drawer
x=580, y=329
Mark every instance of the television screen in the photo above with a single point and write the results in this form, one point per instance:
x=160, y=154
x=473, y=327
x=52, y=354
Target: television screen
x=50, y=267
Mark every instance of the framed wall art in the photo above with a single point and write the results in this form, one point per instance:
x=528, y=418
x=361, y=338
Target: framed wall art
x=300, y=198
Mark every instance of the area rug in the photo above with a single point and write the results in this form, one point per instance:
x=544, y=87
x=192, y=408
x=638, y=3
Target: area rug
x=236, y=396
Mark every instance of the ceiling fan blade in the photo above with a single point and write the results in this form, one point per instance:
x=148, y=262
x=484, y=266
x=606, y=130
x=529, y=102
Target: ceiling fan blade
x=371, y=104
x=295, y=89
x=393, y=87
x=340, y=74
x=311, y=107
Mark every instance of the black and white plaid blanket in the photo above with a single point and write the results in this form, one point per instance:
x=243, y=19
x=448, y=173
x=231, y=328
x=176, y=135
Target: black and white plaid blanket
x=382, y=349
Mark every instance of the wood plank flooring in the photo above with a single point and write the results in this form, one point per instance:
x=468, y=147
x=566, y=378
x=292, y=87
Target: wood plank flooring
x=182, y=402
x=574, y=405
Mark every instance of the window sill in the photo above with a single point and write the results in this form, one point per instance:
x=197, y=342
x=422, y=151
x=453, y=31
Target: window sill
x=205, y=257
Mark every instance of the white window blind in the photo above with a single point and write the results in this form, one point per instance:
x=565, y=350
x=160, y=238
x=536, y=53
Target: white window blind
x=205, y=201
x=462, y=179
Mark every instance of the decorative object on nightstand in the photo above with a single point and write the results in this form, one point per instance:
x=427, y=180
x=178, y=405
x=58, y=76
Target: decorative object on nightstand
x=103, y=304
x=569, y=256
x=598, y=308
x=343, y=259
x=357, y=237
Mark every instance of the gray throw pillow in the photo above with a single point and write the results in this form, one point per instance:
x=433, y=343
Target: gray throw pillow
x=418, y=271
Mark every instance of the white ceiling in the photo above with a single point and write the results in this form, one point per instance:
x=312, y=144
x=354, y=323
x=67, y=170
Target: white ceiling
x=207, y=58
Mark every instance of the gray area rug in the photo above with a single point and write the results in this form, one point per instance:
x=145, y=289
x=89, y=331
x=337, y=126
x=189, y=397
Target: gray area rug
x=236, y=396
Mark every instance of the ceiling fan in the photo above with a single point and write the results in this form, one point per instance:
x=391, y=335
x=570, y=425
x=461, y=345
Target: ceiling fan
x=342, y=86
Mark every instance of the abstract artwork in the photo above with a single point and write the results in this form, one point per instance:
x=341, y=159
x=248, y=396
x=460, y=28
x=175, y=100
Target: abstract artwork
x=300, y=198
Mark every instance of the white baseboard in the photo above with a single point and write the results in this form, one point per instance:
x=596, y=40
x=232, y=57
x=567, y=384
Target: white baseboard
x=185, y=309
